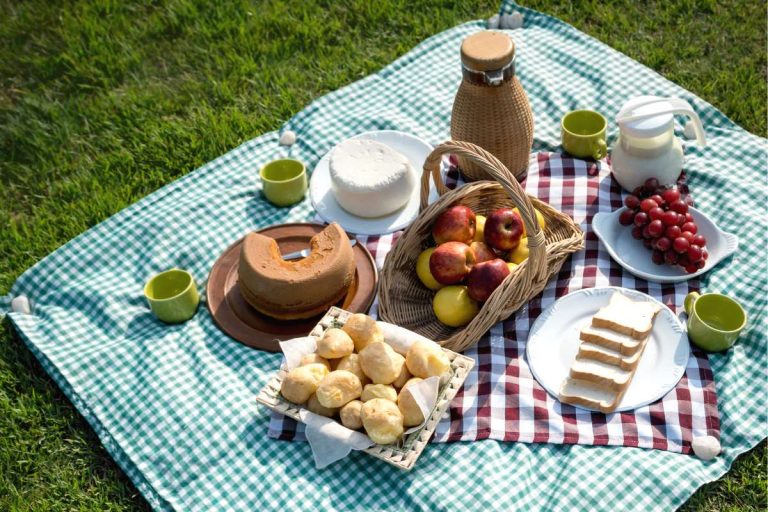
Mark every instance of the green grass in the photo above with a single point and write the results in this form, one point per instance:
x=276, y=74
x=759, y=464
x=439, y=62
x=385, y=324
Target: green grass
x=102, y=103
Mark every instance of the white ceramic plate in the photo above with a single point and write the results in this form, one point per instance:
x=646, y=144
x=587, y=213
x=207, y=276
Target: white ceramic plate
x=554, y=342
x=633, y=256
x=414, y=148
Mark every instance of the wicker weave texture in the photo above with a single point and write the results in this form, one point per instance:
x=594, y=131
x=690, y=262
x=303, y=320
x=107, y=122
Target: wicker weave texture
x=405, y=454
x=498, y=119
x=404, y=301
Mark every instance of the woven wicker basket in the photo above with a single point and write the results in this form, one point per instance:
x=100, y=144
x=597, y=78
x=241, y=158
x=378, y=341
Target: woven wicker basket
x=404, y=301
x=404, y=454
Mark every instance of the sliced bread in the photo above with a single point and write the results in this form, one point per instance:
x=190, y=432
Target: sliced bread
x=587, y=394
x=621, y=343
x=624, y=315
x=604, y=374
x=597, y=352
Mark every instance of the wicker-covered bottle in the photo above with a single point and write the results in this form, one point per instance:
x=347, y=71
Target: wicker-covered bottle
x=491, y=108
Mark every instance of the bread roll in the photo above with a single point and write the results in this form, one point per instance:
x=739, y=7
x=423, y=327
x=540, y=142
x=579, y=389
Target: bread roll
x=382, y=420
x=426, y=359
x=314, y=358
x=334, y=344
x=405, y=402
x=351, y=363
x=314, y=405
x=381, y=363
x=299, y=383
x=402, y=378
x=363, y=330
x=385, y=391
x=350, y=415
x=338, y=388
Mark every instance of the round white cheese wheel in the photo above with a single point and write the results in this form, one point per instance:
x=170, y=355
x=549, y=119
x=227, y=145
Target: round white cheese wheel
x=370, y=179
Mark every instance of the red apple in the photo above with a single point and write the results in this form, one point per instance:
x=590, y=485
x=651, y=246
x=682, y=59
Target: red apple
x=486, y=277
x=504, y=229
x=451, y=262
x=456, y=224
x=483, y=252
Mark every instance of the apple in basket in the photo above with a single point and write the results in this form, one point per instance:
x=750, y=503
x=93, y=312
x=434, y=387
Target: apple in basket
x=451, y=262
x=482, y=252
x=504, y=229
x=456, y=224
x=486, y=277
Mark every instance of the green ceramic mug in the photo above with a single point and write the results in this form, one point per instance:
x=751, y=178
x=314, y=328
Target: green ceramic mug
x=172, y=296
x=714, y=320
x=583, y=134
x=284, y=181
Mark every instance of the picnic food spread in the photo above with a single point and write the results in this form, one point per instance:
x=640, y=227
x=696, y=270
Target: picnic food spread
x=369, y=178
x=296, y=289
x=609, y=353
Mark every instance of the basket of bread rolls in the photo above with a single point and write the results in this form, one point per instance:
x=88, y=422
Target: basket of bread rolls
x=362, y=374
x=474, y=256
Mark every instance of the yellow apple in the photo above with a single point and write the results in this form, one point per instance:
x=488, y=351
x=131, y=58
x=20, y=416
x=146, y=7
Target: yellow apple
x=539, y=219
x=454, y=307
x=512, y=266
x=520, y=253
x=479, y=228
x=422, y=270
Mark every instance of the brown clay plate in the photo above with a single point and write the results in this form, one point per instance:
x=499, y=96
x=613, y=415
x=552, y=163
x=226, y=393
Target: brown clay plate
x=233, y=315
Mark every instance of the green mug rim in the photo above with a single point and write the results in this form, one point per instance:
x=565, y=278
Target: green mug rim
x=190, y=284
x=297, y=177
x=714, y=294
x=581, y=136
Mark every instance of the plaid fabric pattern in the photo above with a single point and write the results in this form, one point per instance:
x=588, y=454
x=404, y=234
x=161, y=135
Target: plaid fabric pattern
x=175, y=408
x=501, y=400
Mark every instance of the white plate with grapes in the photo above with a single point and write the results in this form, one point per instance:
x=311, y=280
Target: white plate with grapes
x=663, y=239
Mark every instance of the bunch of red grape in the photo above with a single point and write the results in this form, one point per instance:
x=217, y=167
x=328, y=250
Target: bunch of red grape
x=661, y=220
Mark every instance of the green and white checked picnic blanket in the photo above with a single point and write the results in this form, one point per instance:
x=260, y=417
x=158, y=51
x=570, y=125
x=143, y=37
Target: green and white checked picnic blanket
x=175, y=407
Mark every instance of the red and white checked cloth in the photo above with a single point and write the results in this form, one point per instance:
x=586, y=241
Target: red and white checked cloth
x=501, y=400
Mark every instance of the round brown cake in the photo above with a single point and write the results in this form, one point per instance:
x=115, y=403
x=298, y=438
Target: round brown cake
x=303, y=288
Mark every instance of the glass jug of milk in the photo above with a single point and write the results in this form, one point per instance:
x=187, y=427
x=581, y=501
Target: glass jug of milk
x=647, y=146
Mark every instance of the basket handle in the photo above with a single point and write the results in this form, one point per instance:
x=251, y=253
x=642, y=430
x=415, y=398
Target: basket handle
x=536, y=263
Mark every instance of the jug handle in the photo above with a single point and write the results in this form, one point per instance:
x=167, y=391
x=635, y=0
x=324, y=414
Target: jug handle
x=679, y=106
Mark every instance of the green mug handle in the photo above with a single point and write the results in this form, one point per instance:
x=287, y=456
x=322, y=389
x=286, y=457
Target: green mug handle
x=601, y=150
x=689, y=300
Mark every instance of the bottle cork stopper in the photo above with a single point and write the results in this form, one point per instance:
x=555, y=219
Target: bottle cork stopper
x=487, y=50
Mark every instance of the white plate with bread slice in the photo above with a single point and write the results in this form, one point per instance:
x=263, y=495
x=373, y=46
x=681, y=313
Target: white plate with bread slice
x=608, y=349
x=370, y=184
x=630, y=253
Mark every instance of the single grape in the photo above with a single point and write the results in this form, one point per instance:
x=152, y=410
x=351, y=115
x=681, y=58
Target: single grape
x=641, y=219
x=695, y=253
x=631, y=201
x=648, y=204
x=680, y=219
x=638, y=191
x=680, y=244
x=689, y=217
x=657, y=257
x=663, y=243
x=704, y=254
x=679, y=207
x=646, y=232
x=648, y=243
x=699, y=240
x=656, y=213
x=691, y=268
x=670, y=257
x=701, y=263
x=669, y=218
x=688, y=236
x=659, y=191
x=673, y=232
x=671, y=195
x=651, y=184
x=637, y=232
x=683, y=260
x=659, y=200
x=656, y=228
x=689, y=226
x=626, y=217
